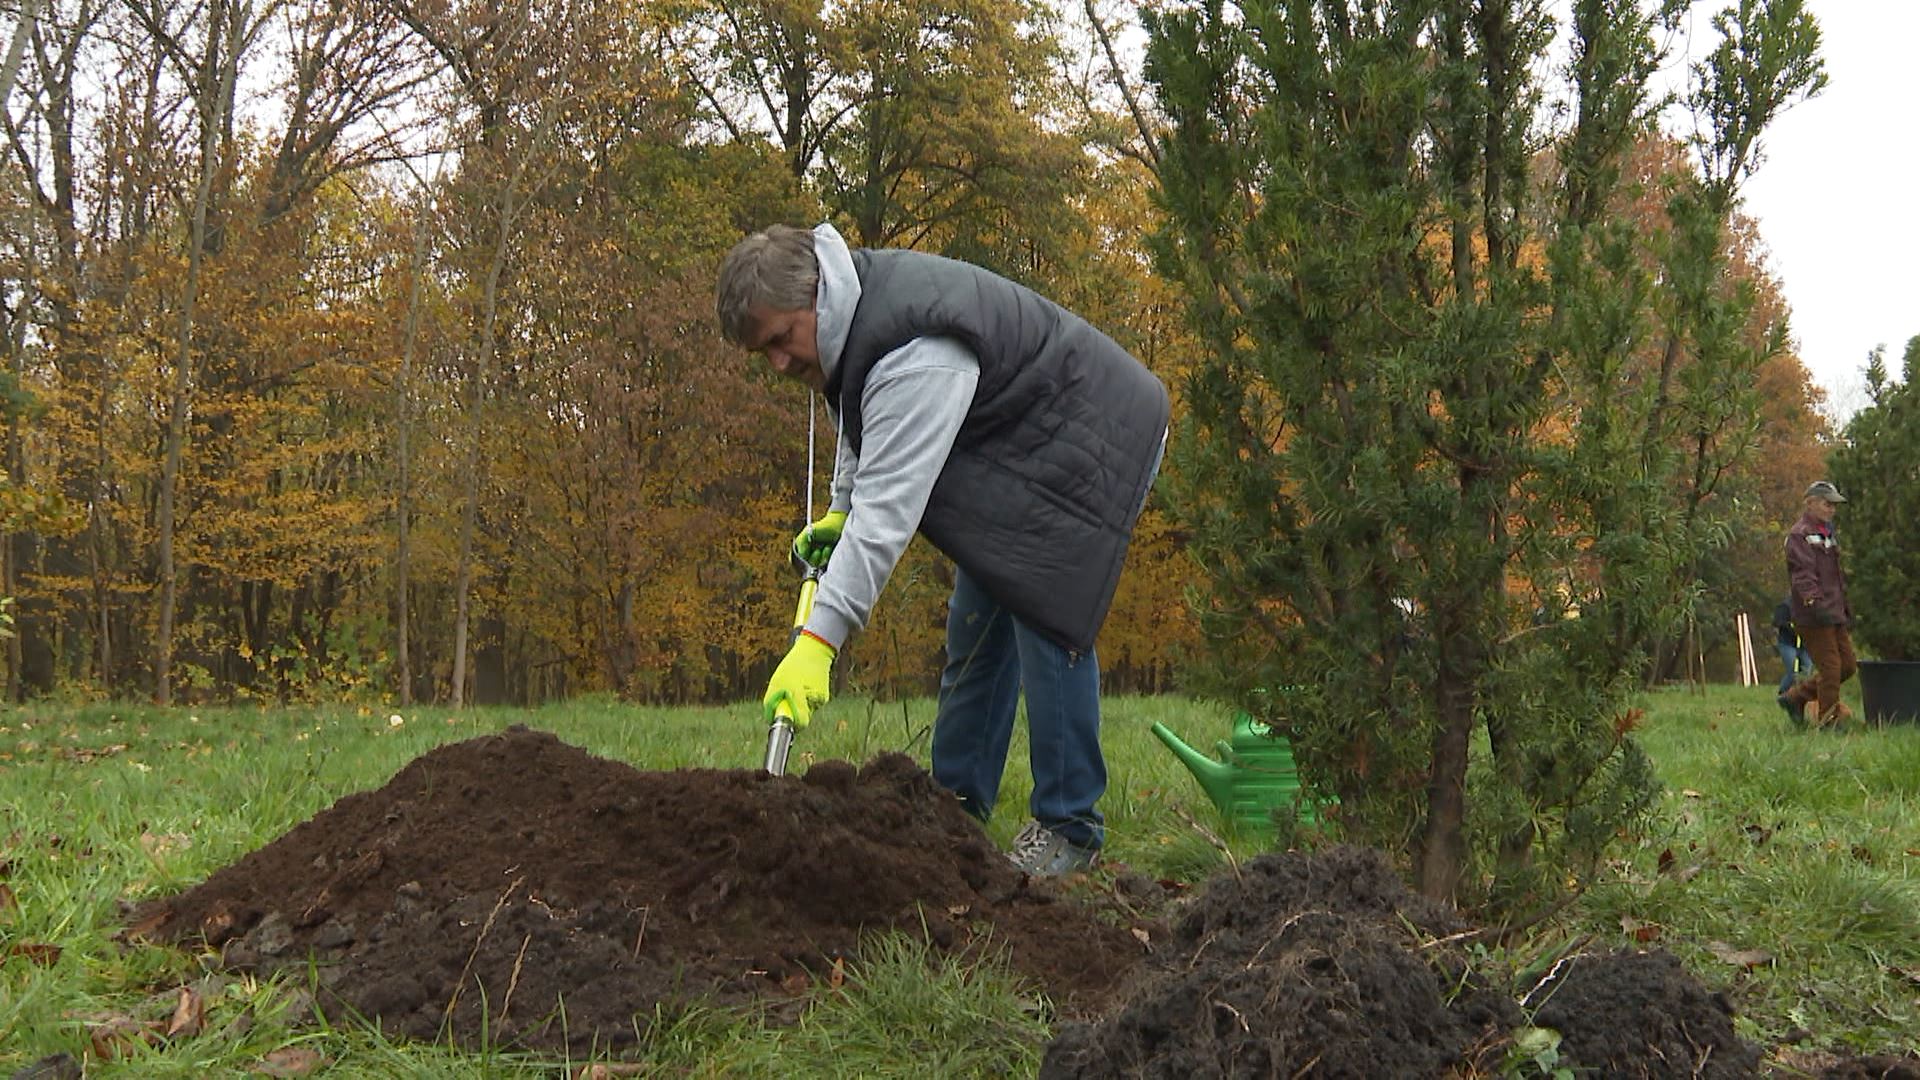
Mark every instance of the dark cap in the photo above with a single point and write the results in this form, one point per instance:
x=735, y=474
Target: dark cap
x=1823, y=489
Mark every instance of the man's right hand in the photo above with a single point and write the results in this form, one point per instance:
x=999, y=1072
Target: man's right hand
x=801, y=680
x=816, y=542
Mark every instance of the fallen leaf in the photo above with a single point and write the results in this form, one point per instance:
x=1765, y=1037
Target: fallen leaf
x=1639, y=931
x=838, y=976
x=189, y=1014
x=290, y=1061
x=609, y=1072
x=115, y=1036
x=1666, y=860
x=36, y=953
x=1145, y=939
x=959, y=911
x=1690, y=793
x=60, y=1066
x=145, y=927
x=163, y=843
x=1740, y=958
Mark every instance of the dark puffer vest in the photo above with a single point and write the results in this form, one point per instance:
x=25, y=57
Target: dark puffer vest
x=1038, y=499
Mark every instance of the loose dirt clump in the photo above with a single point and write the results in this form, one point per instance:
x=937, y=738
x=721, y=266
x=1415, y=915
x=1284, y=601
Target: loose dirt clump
x=1326, y=965
x=522, y=890
x=1874, y=1067
x=1299, y=965
x=1633, y=1014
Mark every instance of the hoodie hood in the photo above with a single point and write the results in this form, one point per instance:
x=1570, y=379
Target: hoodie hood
x=837, y=296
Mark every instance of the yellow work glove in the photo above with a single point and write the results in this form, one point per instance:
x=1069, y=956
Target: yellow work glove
x=801, y=680
x=815, y=542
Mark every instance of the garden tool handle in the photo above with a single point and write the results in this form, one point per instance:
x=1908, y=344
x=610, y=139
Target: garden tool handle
x=780, y=734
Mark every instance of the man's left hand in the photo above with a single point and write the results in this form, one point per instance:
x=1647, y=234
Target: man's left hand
x=816, y=542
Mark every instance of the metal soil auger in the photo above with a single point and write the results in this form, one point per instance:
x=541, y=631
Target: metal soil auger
x=1255, y=778
x=780, y=734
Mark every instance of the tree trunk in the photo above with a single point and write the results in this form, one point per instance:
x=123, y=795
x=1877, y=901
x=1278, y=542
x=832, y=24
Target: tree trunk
x=217, y=77
x=1443, y=845
x=475, y=463
x=403, y=494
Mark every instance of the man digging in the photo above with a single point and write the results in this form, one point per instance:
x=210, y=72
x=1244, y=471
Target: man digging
x=1016, y=438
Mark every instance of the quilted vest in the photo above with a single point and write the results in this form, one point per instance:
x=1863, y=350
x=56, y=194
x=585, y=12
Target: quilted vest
x=1038, y=498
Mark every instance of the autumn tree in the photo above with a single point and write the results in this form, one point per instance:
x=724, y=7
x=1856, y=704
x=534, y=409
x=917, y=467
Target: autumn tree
x=1434, y=487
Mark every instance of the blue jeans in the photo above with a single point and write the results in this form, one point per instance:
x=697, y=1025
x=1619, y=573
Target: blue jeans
x=991, y=657
x=1798, y=661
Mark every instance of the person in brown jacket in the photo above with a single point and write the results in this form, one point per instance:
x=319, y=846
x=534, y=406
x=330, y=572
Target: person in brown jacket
x=1820, y=610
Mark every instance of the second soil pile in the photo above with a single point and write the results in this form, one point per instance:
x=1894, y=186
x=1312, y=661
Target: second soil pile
x=1328, y=965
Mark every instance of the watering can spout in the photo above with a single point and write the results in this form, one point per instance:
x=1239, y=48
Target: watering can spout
x=1216, y=778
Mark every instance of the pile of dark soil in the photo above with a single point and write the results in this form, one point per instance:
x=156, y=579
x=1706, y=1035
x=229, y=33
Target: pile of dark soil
x=1327, y=965
x=493, y=880
x=1641, y=1014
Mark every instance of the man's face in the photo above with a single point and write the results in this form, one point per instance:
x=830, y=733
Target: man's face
x=1821, y=509
x=790, y=342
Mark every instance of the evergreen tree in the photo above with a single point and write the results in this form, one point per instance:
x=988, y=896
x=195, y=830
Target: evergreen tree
x=1451, y=462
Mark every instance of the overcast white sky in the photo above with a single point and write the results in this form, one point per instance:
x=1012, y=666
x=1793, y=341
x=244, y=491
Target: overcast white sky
x=1838, y=196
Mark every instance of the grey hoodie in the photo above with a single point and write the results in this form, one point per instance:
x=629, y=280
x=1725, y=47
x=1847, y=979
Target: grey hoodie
x=914, y=402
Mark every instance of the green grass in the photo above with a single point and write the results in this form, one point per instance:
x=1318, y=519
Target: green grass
x=1798, y=844
x=1804, y=846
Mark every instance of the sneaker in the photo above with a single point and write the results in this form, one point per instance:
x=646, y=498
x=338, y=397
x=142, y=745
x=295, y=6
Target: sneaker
x=1040, y=852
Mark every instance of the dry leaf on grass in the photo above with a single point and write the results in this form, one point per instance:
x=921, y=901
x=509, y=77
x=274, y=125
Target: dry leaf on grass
x=84, y=754
x=1740, y=958
x=158, y=844
x=189, y=1014
x=608, y=1072
x=34, y=952
x=115, y=1036
x=145, y=927
x=290, y=1061
x=1642, y=932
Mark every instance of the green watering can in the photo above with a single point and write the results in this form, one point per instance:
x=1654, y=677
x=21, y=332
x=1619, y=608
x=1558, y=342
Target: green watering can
x=1256, y=778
